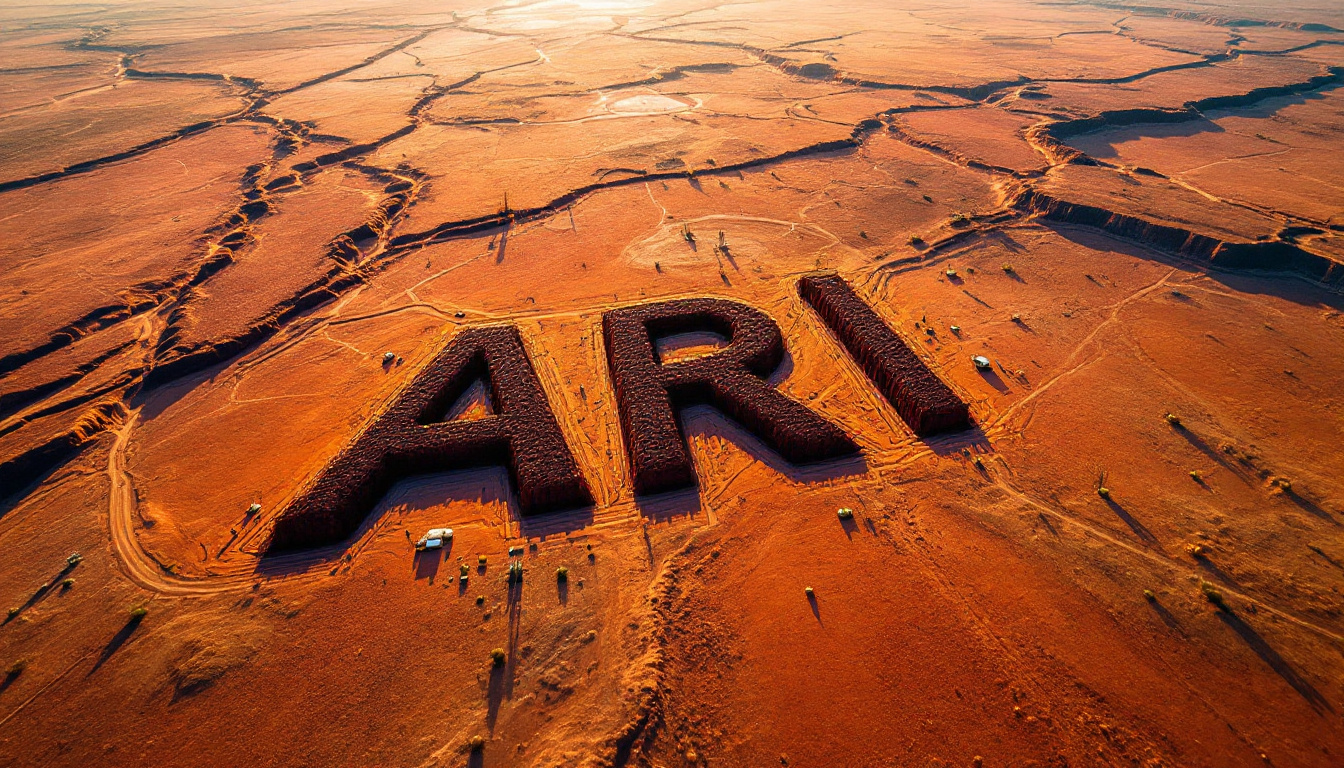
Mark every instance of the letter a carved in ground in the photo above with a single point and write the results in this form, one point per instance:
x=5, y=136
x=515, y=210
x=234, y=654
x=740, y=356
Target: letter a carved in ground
x=411, y=438
x=732, y=380
x=920, y=397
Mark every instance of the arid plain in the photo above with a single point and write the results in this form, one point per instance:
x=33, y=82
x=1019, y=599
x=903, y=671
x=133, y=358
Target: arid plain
x=231, y=234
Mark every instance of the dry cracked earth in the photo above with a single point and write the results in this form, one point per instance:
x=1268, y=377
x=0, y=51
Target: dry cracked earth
x=231, y=233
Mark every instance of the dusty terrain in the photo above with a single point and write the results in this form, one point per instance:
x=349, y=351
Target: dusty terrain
x=217, y=219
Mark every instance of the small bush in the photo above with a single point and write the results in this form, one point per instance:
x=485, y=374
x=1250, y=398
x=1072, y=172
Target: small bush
x=845, y=513
x=480, y=599
x=1197, y=476
x=68, y=583
x=1008, y=268
x=498, y=657
x=1104, y=492
x=481, y=560
x=1148, y=595
x=562, y=574
x=476, y=744
x=808, y=591
x=139, y=612
x=74, y=560
x=16, y=669
x=1173, y=419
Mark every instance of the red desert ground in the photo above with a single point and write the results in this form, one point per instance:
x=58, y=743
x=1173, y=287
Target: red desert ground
x=662, y=383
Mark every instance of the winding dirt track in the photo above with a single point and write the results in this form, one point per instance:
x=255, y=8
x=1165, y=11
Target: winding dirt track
x=145, y=571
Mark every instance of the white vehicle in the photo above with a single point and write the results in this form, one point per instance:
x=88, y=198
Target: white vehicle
x=434, y=538
x=981, y=362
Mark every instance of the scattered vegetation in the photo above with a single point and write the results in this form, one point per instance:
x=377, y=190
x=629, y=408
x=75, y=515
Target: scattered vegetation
x=1173, y=420
x=1149, y=596
x=1197, y=476
x=139, y=612
x=74, y=560
x=498, y=657
x=916, y=240
x=1008, y=268
x=480, y=599
x=67, y=584
x=1196, y=551
x=476, y=744
x=562, y=574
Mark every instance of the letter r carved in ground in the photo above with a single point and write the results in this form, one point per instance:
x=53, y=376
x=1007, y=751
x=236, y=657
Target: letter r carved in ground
x=649, y=391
